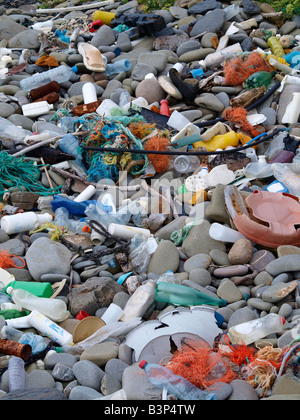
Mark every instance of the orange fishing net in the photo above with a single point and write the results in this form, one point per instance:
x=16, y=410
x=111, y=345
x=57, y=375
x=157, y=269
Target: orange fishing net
x=238, y=116
x=239, y=354
x=7, y=261
x=141, y=129
x=237, y=71
x=197, y=362
x=160, y=162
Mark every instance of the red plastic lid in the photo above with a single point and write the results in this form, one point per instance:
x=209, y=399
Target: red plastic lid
x=142, y=364
x=81, y=315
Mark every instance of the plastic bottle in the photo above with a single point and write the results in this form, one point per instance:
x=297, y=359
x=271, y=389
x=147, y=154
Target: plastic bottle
x=139, y=254
x=292, y=112
x=59, y=74
x=39, y=289
x=251, y=331
x=23, y=222
x=259, y=169
x=275, y=46
x=287, y=177
x=117, y=67
x=69, y=144
x=260, y=78
x=89, y=93
x=56, y=309
x=162, y=377
x=220, y=141
x=186, y=164
x=37, y=108
x=16, y=374
x=185, y=296
x=45, y=325
x=139, y=302
x=74, y=226
x=131, y=283
x=215, y=59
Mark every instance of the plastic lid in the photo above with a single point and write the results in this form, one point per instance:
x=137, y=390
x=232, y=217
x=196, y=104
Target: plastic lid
x=75, y=69
x=86, y=229
x=9, y=290
x=123, y=277
x=142, y=364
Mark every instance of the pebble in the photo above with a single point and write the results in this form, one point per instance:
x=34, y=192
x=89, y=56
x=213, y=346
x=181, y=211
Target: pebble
x=253, y=280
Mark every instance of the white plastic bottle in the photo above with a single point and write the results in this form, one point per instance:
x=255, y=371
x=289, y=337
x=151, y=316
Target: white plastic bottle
x=139, y=302
x=127, y=232
x=87, y=193
x=286, y=176
x=36, y=109
x=55, y=309
x=23, y=222
x=89, y=93
x=45, y=325
x=249, y=332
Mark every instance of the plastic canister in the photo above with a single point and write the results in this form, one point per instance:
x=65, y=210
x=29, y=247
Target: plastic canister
x=89, y=93
x=220, y=141
x=36, y=109
x=50, y=328
x=105, y=17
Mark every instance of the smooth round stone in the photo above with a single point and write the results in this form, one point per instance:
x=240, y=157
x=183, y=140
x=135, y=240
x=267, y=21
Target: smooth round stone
x=9, y=89
x=242, y=390
x=156, y=59
x=140, y=71
x=260, y=259
x=53, y=278
x=200, y=276
x=100, y=353
x=116, y=368
x=240, y=252
x=166, y=84
x=207, y=40
x=221, y=390
x=84, y=393
x=231, y=271
x=261, y=305
x=188, y=46
x=88, y=374
x=219, y=257
x=210, y=101
x=195, y=55
x=263, y=279
x=21, y=120
x=6, y=110
x=279, y=291
x=197, y=261
x=282, y=278
x=285, y=310
x=284, y=264
x=270, y=114
x=110, y=384
x=150, y=90
x=241, y=315
x=283, y=250
x=229, y=291
x=165, y=258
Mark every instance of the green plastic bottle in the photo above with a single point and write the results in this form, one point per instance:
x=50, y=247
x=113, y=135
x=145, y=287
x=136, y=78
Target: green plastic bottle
x=260, y=78
x=185, y=296
x=12, y=313
x=39, y=289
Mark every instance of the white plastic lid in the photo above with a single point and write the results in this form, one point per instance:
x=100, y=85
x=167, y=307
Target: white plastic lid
x=9, y=290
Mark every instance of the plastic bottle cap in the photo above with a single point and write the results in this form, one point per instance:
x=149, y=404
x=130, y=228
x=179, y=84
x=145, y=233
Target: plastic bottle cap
x=75, y=69
x=9, y=290
x=142, y=364
x=86, y=229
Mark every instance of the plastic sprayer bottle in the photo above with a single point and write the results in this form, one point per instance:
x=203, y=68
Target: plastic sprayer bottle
x=183, y=295
x=249, y=332
x=162, y=377
x=59, y=74
x=139, y=302
x=55, y=309
x=23, y=222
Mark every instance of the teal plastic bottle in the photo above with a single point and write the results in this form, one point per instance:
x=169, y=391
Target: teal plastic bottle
x=185, y=296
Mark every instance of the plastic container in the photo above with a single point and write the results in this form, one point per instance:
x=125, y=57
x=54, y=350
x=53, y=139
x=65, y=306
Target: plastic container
x=260, y=78
x=117, y=67
x=164, y=378
x=96, y=238
x=39, y=289
x=164, y=108
x=168, y=277
x=24, y=222
x=220, y=141
x=89, y=93
x=287, y=177
x=105, y=17
x=16, y=374
x=56, y=309
x=127, y=232
x=112, y=314
x=215, y=59
x=69, y=144
x=105, y=107
x=275, y=46
x=224, y=233
x=185, y=296
x=259, y=169
x=36, y=109
x=73, y=226
x=45, y=325
x=249, y=332
x=59, y=74
x=86, y=194
x=139, y=302
x=186, y=164
x=292, y=113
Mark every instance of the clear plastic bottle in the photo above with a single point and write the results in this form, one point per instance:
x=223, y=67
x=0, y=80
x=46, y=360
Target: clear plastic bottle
x=249, y=332
x=139, y=254
x=168, y=277
x=185, y=164
x=16, y=374
x=74, y=226
x=55, y=309
x=178, y=294
x=59, y=74
x=139, y=302
x=287, y=177
x=162, y=377
x=259, y=169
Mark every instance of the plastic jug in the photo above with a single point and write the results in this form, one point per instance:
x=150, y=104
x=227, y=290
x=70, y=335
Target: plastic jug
x=139, y=302
x=220, y=141
x=39, y=289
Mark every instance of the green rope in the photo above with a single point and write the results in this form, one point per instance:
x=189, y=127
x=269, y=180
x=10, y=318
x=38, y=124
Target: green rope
x=180, y=235
x=18, y=173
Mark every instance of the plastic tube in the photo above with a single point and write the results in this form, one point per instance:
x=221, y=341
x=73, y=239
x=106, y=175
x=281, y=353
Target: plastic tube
x=85, y=194
x=127, y=232
x=96, y=238
x=16, y=374
x=50, y=329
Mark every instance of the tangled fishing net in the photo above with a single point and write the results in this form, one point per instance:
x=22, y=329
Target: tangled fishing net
x=7, y=260
x=197, y=362
x=160, y=162
x=238, y=116
x=237, y=70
